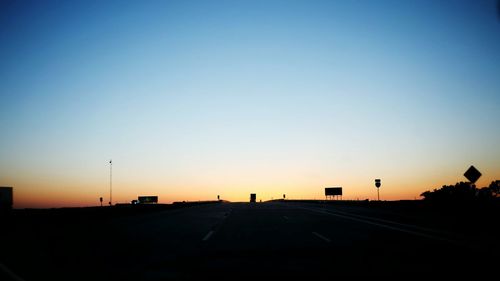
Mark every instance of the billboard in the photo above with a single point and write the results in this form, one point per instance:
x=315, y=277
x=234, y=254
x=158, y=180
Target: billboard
x=148, y=199
x=332, y=191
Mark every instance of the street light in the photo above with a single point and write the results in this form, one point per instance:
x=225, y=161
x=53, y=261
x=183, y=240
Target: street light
x=110, y=182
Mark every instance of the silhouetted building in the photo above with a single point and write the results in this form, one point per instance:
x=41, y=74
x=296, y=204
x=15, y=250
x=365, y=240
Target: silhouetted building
x=253, y=197
x=6, y=198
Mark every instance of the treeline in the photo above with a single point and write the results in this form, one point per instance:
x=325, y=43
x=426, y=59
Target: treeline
x=464, y=191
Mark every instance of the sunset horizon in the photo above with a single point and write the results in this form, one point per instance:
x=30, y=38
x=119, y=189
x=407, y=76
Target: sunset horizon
x=203, y=98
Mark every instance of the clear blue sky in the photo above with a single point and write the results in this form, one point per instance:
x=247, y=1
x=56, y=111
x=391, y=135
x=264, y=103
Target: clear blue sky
x=197, y=98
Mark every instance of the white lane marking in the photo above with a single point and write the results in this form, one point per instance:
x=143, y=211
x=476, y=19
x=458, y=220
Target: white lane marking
x=9, y=273
x=322, y=237
x=285, y=217
x=393, y=222
x=209, y=234
x=383, y=225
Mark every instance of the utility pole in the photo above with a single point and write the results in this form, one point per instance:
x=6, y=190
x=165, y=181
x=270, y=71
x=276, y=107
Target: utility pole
x=110, y=182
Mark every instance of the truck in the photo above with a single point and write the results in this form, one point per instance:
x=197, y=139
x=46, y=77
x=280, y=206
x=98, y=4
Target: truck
x=147, y=200
x=253, y=197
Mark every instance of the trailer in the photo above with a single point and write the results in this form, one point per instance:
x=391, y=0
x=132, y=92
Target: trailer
x=147, y=200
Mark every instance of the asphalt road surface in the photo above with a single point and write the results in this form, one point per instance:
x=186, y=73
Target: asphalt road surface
x=250, y=241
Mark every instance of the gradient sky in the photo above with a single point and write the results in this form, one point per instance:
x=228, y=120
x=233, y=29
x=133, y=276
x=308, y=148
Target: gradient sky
x=192, y=99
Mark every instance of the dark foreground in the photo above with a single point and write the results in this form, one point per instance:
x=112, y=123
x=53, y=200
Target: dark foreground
x=293, y=240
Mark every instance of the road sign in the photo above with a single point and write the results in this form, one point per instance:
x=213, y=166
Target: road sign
x=472, y=174
x=378, y=184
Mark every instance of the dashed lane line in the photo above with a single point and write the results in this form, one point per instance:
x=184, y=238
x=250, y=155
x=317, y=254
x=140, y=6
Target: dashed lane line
x=209, y=234
x=322, y=237
x=9, y=273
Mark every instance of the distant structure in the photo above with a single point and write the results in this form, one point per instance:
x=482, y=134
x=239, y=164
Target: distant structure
x=333, y=192
x=147, y=200
x=6, y=198
x=253, y=197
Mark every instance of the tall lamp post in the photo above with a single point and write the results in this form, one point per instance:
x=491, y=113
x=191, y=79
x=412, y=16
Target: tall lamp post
x=110, y=182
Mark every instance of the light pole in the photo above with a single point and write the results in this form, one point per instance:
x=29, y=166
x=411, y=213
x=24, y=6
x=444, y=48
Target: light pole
x=110, y=182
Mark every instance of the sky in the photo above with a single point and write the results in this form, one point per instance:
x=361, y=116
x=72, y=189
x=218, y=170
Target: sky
x=194, y=99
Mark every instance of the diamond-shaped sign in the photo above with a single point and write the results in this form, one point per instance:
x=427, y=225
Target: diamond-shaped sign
x=472, y=174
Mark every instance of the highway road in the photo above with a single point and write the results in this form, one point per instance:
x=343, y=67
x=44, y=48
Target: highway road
x=252, y=241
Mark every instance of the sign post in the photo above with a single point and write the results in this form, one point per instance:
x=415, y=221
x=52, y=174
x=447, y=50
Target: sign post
x=472, y=174
x=378, y=184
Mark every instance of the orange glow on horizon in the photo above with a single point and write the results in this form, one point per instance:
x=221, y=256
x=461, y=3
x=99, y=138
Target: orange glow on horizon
x=63, y=194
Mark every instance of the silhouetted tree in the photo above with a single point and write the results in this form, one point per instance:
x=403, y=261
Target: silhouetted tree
x=462, y=192
x=484, y=193
x=495, y=187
